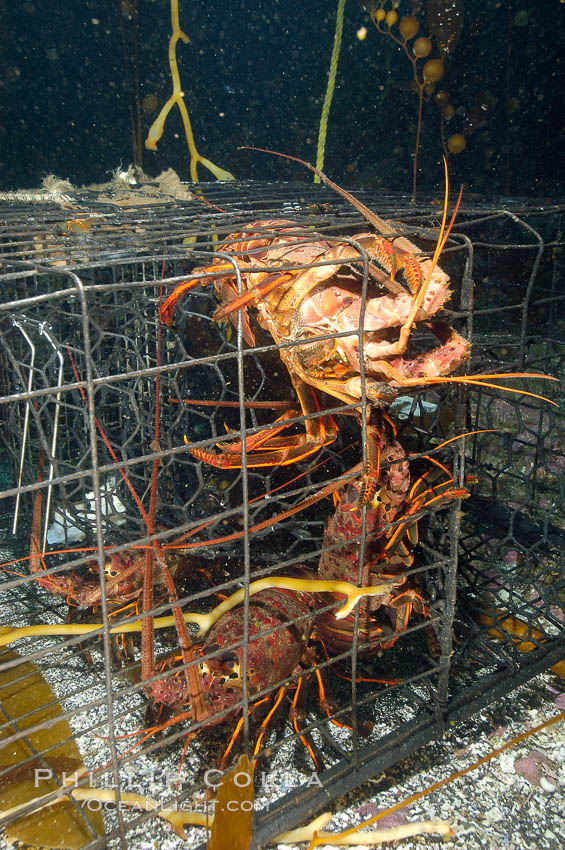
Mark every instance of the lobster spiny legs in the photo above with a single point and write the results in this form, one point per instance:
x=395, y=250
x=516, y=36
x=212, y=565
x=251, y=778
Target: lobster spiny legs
x=253, y=295
x=298, y=718
x=431, y=499
x=239, y=726
x=264, y=725
x=264, y=449
x=170, y=304
x=329, y=707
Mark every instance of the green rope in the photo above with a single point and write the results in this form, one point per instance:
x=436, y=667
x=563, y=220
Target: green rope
x=330, y=90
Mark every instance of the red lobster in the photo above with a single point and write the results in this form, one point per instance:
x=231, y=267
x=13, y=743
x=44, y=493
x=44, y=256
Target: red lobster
x=301, y=307
x=280, y=626
x=390, y=536
x=284, y=628
x=123, y=572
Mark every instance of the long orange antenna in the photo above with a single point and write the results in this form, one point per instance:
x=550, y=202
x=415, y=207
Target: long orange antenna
x=378, y=223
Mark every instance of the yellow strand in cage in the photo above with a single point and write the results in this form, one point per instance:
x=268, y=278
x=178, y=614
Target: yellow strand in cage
x=205, y=622
x=329, y=90
x=156, y=129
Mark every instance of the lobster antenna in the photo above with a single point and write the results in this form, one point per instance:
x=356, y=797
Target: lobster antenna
x=378, y=223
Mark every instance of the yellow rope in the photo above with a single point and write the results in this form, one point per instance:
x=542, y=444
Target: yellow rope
x=329, y=90
x=156, y=129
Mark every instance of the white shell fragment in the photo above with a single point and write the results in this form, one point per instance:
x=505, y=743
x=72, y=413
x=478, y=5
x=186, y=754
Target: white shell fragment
x=68, y=527
x=547, y=785
x=402, y=405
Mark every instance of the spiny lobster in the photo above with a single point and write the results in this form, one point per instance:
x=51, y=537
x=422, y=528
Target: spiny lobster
x=300, y=308
x=304, y=310
x=279, y=631
x=123, y=573
x=287, y=636
x=390, y=536
x=297, y=309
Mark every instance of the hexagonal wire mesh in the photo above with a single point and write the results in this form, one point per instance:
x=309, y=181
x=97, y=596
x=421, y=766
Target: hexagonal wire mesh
x=87, y=371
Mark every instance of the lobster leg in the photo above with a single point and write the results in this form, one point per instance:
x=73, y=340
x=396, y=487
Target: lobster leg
x=265, y=439
x=298, y=718
x=439, y=497
x=170, y=304
x=329, y=707
x=254, y=294
x=263, y=728
x=321, y=430
x=239, y=727
x=442, y=360
x=403, y=605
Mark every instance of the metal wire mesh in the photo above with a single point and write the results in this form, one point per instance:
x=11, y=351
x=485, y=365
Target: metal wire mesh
x=86, y=372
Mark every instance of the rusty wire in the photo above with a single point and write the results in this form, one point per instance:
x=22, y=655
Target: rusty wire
x=95, y=292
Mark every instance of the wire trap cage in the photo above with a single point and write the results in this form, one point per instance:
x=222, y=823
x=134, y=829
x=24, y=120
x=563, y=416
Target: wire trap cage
x=99, y=489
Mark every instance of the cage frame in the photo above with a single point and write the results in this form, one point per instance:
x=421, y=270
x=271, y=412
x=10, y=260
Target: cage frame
x=443, y=709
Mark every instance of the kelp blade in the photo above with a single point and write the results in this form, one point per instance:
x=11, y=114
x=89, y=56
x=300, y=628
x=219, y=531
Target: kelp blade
x=26, y=700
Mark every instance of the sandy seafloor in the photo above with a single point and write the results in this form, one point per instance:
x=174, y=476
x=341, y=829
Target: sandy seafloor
x=491, y=807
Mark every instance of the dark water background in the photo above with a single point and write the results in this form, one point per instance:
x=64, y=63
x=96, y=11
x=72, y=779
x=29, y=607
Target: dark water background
x=255, y=73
